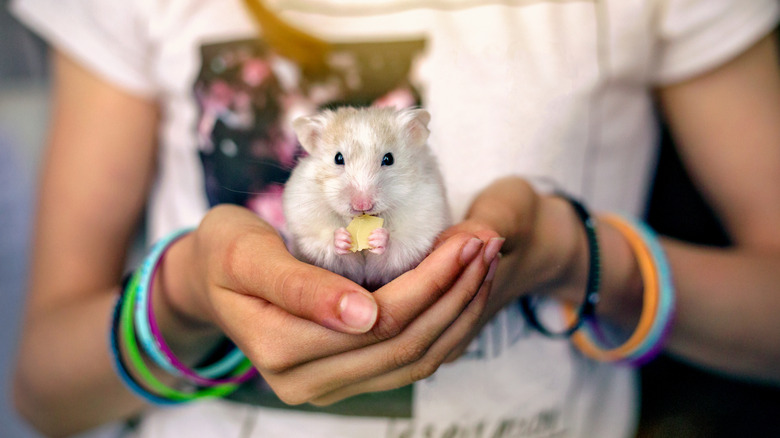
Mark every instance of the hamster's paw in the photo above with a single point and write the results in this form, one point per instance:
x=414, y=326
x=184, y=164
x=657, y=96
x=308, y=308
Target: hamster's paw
x=342, y=241
x=377, y=240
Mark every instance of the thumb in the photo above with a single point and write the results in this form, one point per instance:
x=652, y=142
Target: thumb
x=260, y=265
x=321, y=296
x=252, y=259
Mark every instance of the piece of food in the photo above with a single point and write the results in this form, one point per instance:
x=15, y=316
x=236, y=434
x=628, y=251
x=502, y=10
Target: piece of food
x=360, y=228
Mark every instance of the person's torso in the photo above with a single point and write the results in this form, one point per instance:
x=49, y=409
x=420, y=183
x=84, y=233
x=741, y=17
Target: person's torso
x=536, y=88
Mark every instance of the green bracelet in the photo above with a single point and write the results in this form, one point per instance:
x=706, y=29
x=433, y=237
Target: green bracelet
x=133, y=353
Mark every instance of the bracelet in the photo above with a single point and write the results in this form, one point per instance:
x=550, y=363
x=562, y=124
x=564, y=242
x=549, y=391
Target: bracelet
x=121, y=367
x=203, y=376
x=662, y=326
x=152, y=340
x=588, y=308
x=647, y=270
x=157, y=392
x=135, y=300
x=146, y=276
x=655, y=321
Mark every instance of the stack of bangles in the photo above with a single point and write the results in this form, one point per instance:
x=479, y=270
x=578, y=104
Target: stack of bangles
x=134, y=321
x=657, y=315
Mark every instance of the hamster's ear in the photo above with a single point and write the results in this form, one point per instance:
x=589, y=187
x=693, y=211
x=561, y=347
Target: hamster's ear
x=309, y=131
x=416, y=124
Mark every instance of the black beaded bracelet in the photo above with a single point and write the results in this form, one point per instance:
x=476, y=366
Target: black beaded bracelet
x=588, y=308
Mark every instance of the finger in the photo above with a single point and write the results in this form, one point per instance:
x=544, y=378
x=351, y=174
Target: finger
x=464, y=343
x=482, y=230
x=260, y=324
x=430, y=361
x=462, y=227
x=258, y=264
x=406, y=297
x=309, y=382
x=273, y=339
x=449, y=232
x=246, y=298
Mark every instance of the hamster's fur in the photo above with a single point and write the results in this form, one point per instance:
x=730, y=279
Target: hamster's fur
x=322, y=196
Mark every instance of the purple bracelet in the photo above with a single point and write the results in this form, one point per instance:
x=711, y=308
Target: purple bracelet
x=184, y=369
x=152, y=340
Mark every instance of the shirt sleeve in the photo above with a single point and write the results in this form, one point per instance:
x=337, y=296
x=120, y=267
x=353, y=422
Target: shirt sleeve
x=108, y=37
x=698, y=35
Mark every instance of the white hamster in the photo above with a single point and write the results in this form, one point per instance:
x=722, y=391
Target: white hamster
x=369, y=160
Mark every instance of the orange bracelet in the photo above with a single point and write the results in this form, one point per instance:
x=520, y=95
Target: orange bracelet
x=649, y=308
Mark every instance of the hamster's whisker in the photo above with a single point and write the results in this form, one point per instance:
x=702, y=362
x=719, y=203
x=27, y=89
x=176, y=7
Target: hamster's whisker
x=271, y=163
x=243, y=192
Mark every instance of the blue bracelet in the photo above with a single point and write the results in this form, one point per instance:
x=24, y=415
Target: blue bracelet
x=663, y=322
x=147, y=270
x=143, y=329
x=119, y=364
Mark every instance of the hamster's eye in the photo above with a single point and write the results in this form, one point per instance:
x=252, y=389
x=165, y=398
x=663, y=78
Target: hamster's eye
x=388, y=160
x=339, y=159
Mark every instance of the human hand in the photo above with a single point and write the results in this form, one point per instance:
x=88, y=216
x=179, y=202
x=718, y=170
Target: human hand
x=316, y=336
x=485, y=232
x=540, y=243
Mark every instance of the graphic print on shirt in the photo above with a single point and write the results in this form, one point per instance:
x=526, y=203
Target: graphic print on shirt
x=441, y=405
x=247, y=97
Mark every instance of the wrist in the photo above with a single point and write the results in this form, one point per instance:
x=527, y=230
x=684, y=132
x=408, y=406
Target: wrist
x=566, y=248
x=143, y=316
x=509, y=206
x=546, y=251
x=622, y=286
x=577, y=257
x=180, y=305
x=620, y=291
x=586, y=309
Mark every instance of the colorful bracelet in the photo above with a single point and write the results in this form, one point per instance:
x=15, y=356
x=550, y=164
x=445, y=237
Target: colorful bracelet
x=207, y=376
x=644, y=260
x=588, y=308
x=134, y=316
x=119, y=364
x=152, y=340
x=664, y=320
x=153, y=391
x=657, y=311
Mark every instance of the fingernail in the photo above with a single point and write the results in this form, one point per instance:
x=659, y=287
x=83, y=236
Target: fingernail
x=492, y=270
x=357, y=311
x=470, y=250
x=492, y=248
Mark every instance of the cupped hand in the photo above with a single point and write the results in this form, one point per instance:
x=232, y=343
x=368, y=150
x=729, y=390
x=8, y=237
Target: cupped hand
x=512, y=209
x=316, y=336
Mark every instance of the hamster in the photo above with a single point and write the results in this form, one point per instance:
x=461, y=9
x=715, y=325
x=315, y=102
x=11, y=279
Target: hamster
x=369, y=160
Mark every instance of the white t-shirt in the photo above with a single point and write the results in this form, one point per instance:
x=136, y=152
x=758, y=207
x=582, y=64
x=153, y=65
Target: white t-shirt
x=559, y=89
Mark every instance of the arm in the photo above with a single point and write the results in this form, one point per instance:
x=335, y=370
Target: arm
x=95, y=176
x=727, y=123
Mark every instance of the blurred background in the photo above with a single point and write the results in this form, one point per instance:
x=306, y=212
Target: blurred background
x=678, y=400
x=23, y=114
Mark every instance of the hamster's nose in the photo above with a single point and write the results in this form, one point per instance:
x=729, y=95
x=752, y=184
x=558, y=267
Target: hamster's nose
x=361, y=202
